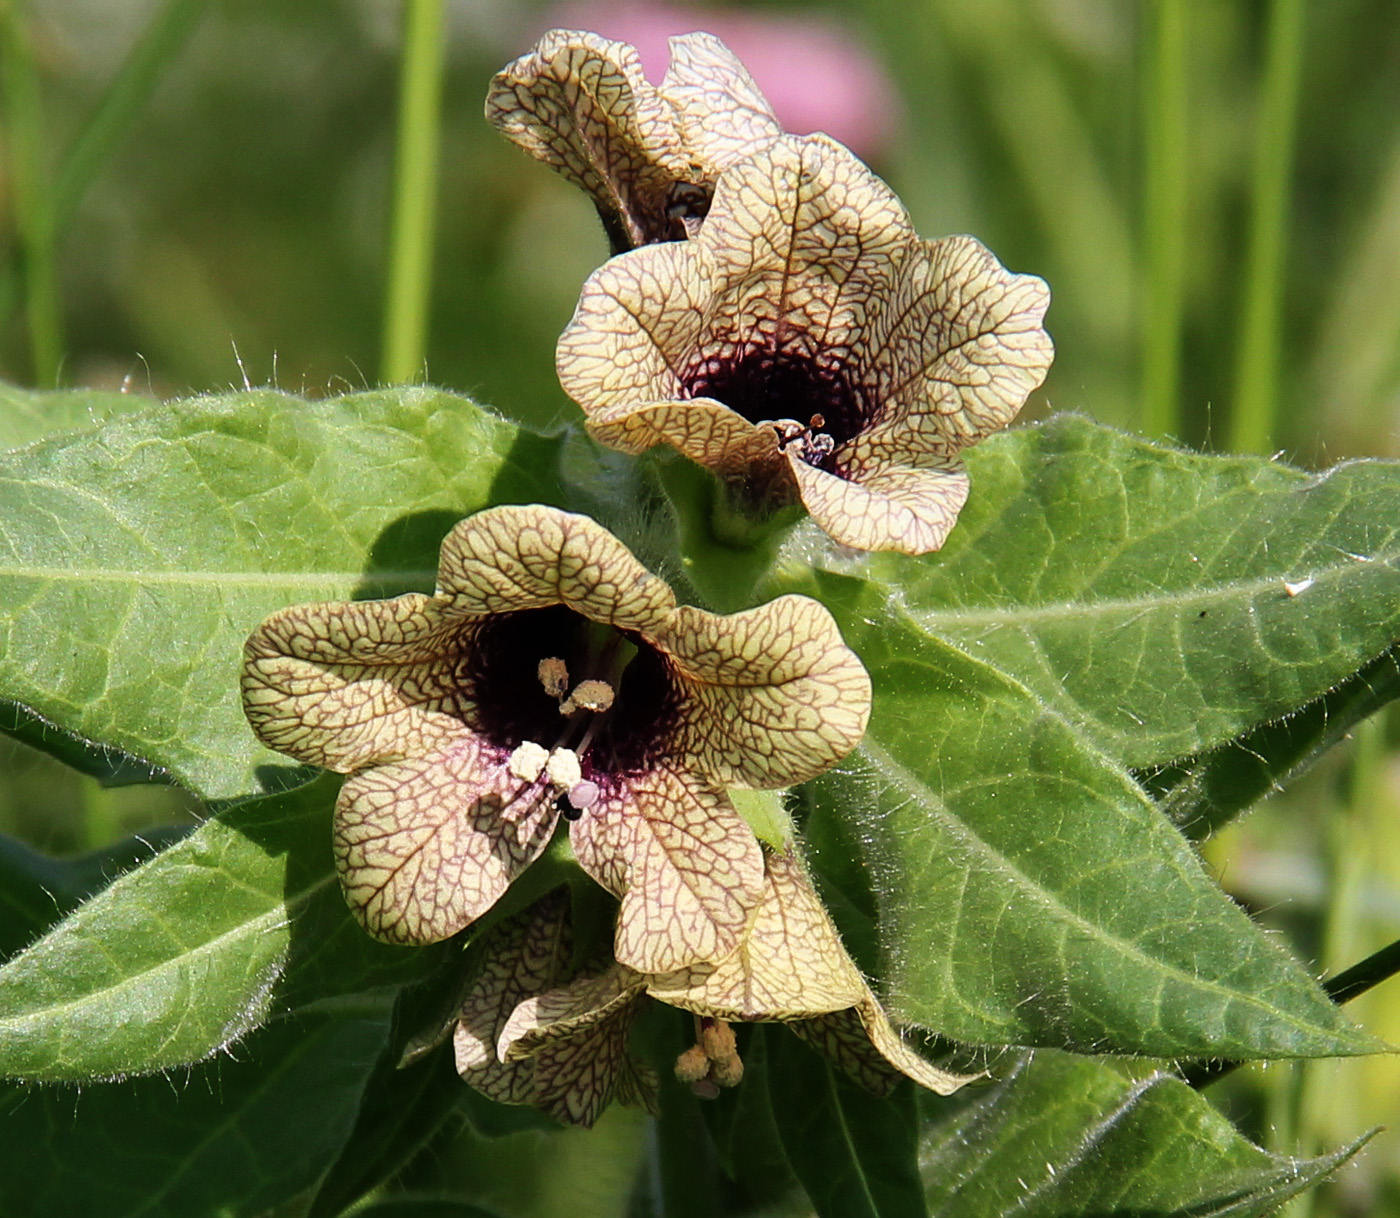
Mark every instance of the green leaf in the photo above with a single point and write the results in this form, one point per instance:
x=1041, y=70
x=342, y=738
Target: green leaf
x=742, y=1125
x=1144, y=592
x=423, y=1207
x=134, y=560
x=27, y=415
x=235, y=1136
x=403, y=1106
x=1204, y=792
x=1061, y=1137
x=1028, y=891
x=36, y=891
x=237, y=924
x=856, y=1155
x=402, y=1110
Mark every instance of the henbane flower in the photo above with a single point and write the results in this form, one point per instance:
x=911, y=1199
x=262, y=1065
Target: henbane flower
x=566, y=1045
x=551, y=674
x=806, y=344
x=572, y=1079
x=648, y=155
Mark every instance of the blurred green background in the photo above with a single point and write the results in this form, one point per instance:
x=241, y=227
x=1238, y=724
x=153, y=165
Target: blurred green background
x=195, y=194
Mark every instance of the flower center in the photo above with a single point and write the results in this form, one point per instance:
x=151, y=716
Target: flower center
x=810, y=403
x=573, y=687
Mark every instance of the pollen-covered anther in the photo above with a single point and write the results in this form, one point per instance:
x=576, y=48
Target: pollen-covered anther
x=713, y=1061
x=692, y=1066
x=717, y=1039
x=554, y=676
x=564, y=769
x=528, y=760
x=588, y=695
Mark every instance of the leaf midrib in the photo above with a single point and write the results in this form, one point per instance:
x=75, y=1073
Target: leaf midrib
x=936, y=807
x=1078, y=610
x=263, y=922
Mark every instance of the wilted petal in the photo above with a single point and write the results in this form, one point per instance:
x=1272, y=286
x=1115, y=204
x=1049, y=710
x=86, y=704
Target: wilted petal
x=529, y=557
x=647, y=156
x=685, y=866
x=349, y=685
x=522, y=956
x=574, y=1040
x=884, y=506
x=776, y=698
x=722, y=113
x=426, y=846
x=862, y=1042
x=566, y=1011
x=790, y=965
x=583, y=106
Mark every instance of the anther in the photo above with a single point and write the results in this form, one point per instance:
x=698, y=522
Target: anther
x=554, y=676
x=563, y=769
x=528, y=761
x=590, y=696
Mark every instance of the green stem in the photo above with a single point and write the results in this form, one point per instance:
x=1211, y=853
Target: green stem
x=415, y=193
x=122, y=100
x=1344, y=850
x=32, y=199
x=725, y=553
x=1164, y=218
x=1252, y=421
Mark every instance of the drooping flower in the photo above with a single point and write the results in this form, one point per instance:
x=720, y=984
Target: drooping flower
x=573, y=1078
x=790, y=967
x=551, y=674
x=806, y=344
x=649, y=156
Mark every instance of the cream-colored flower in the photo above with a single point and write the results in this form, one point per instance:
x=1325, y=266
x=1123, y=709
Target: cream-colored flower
x=648, y=155
x=790, y=967
x=461, y=763
x=808, y=345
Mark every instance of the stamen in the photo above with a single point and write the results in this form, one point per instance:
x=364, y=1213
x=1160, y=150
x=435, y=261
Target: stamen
x=713, y=1061
x=692, y=1065
x=574, y=802
x=563, y=769
x=787, y=433
x=717, y=1039
x=584, y=795
x=528, y=761
x=815, y=444
x=554, y=676
x=589, y=695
